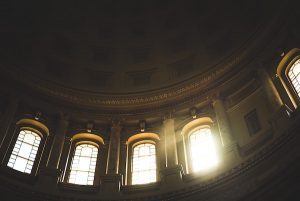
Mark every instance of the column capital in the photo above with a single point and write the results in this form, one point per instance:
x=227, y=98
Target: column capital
x=63, y=115
x=63, y=118
x=106, y=143
x=168, y=120
x=217, y=97
x=116, y=124
x=168, y=115
x=68, y=139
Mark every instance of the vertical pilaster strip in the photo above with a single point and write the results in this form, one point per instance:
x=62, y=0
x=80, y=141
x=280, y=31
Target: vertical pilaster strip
x=170, y=142
x=8, y=117
x=270, y=89
x=223, y=122
x=114, y=149
x=123, y=156
x=58, y=144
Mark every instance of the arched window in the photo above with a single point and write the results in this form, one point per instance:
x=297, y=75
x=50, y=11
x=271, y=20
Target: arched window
x=294, y=75
x=200, y=146
x=83, y=168
x=143, y=158
x=289, y=73
x=24, y=151
x=202, y=149
x=84, y=164
x=144, y=163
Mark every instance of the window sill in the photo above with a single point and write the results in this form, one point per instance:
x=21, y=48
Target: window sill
x=141, y=187
x=201, y=176
x=67, y=187
x=19, y=176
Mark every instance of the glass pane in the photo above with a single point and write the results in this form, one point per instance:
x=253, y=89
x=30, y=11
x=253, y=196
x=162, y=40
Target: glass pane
x=203, y=151
x=29, y=138
x=144, y=164
x=84, y=164
x=81, y=178
x=144, y=151
x=296, y=69
x=294, y=75
x=24, y=151
x=86, y=151
x=20, y=164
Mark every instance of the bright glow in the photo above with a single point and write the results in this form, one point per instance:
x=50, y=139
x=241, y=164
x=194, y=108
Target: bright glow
x=294, y=75
x=84, y=165
x=203, y=151
x=144, y=164
x=24, y=152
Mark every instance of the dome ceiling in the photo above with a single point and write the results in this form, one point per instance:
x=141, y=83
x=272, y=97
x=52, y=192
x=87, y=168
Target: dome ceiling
x=121, y=47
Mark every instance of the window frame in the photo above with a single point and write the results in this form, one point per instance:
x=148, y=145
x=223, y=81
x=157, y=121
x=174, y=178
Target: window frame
x=247, y=119
x=282, y=71
x=79, y=139
x=188, y=129
x=37, y=127
x=33, y=145
x=132, y=156
x=134, y=141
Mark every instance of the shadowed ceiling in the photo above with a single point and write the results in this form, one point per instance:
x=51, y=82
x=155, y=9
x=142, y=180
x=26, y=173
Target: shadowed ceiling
x=126, y=46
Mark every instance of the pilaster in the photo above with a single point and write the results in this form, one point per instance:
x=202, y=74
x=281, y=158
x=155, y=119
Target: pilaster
x=112, y=181
x=270, y=90
x=58, y=143
x=50, y=175
x=223, y=122
x=230, y=153
x=172, y=173
x=170, y=142
x=8, y=117
x=114, y=149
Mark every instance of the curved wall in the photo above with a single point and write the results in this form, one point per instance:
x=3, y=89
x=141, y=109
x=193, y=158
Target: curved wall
x=252, y=118
x=247, y=160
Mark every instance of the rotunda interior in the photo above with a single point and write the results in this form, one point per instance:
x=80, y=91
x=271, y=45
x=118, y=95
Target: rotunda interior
x=150, y=100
